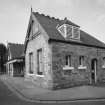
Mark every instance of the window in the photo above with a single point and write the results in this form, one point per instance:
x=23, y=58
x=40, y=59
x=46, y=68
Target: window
x=69, y=31
x=103, y=62
x=39, y=62
x=31, y=63
x=81, y=60
x=68, y=63
x=82, y=63
x=76, y=33
x=61, y=29
x=35, y=29
x=68, y=60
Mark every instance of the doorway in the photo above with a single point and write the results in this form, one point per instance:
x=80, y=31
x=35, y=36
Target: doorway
x=93, y=71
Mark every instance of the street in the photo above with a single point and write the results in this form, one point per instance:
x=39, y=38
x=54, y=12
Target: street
x=9, y=98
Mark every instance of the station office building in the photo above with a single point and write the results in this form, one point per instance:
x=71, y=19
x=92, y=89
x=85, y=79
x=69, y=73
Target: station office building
x=58, y=54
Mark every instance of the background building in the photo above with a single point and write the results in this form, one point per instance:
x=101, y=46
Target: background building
x=15, y=64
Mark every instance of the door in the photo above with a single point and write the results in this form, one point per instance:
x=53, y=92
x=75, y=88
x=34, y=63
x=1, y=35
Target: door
x=40, y=62
x=93, y=71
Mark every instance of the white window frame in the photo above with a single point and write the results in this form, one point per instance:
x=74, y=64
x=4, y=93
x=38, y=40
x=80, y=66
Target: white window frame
x=65, y=31
x=73, y=32
x=64, y=35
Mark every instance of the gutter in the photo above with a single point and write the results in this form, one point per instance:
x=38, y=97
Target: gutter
x=74, y=43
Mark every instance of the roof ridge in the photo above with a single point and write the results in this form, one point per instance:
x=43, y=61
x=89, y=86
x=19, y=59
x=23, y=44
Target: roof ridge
x=65, y=20
x=48, y=16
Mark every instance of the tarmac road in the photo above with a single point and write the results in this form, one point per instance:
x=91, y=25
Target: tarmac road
x=9, y=98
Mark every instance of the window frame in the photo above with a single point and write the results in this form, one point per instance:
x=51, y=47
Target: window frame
x=73, y=32
x=103, y=63
x=81, y=60
x=68, y=60
x=40, y=73
x=62, y=26
x=68, y=63
x=65, y=31
x=31, y=64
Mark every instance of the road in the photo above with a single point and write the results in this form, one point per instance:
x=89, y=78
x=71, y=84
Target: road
x=9, y=98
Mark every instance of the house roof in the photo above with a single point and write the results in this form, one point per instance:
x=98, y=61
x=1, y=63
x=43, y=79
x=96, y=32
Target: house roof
x=50, y=25
x=16, y=50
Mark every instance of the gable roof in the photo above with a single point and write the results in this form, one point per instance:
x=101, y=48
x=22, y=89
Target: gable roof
x=50, y=25
x=16, y=50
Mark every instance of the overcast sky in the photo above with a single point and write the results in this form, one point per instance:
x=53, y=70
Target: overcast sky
x=14, y=16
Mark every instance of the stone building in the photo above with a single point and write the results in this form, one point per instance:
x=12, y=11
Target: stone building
x=58, y=54
x=16, y=63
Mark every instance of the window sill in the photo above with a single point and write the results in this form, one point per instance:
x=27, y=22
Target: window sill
x=82, y=67
x=39, y=75
x=68, y=68
x=31, y=75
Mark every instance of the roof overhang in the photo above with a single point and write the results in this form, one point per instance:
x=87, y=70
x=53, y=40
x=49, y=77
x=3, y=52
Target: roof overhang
x=15, y=60
x=75, y=43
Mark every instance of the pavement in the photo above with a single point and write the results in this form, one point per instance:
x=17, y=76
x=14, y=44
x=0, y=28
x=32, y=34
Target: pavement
x=29, y=91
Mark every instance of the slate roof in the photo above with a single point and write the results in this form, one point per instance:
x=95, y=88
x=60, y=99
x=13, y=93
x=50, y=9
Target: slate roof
x=16, y=50
x=50, y=25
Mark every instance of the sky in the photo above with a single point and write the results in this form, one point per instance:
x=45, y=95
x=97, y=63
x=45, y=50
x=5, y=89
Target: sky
x=14, y=16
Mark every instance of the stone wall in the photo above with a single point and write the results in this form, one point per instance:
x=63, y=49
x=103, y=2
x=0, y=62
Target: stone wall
x=35, y=44
x=68, y=78
x=39, y=41
x=101, y=70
